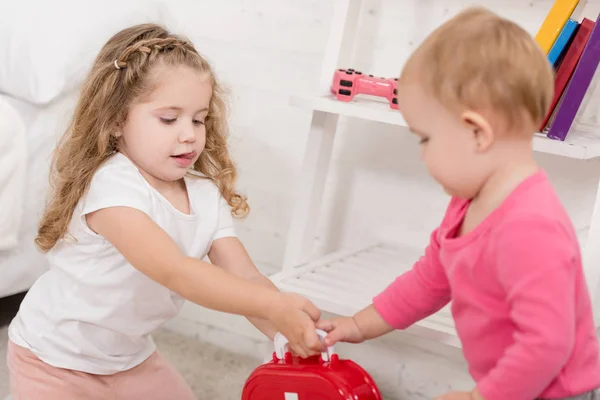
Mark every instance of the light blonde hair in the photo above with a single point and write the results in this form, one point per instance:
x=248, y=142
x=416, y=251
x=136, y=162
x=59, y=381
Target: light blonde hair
x=478, y=60
x=106, y=95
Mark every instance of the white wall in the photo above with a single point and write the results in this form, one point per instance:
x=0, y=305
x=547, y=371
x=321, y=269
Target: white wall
x=265, y=50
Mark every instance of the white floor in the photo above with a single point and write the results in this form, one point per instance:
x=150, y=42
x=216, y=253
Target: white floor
x=213, y=373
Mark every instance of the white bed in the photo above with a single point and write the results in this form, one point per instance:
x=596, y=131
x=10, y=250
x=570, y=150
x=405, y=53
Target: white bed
x=40, y=73
x=22, y=265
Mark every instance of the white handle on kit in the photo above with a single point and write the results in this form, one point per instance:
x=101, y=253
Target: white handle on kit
x=281, y=346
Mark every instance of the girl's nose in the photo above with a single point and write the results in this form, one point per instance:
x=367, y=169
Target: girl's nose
x=188, y=134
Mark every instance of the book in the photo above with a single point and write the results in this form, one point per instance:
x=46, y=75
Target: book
x=577, y=86
x=587, y=120
x=552, y=114
x=568, y=64
x=562, y=42
x=556, y=19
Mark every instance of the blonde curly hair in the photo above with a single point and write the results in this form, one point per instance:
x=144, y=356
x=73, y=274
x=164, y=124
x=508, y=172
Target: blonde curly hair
x=118, y=77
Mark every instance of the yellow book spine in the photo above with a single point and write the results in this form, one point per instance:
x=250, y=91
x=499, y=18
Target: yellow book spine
x=555, y=20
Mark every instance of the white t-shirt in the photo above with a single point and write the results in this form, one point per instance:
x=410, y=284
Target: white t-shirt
x=93, y=311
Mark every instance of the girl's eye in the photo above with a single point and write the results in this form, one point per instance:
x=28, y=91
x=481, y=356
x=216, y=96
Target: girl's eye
x=168, y=121
x=198, y=122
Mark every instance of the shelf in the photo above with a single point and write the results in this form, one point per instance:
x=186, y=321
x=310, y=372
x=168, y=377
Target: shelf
x=575, y=146
x=372, y=110
x=345, y=282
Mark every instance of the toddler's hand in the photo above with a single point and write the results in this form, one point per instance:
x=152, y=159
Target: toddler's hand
x=294, y=316
x=474, y=395
x=342, y=329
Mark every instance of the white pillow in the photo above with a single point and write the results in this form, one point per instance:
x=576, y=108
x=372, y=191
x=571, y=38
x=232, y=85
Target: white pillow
x=13, y=170
x=47, y=47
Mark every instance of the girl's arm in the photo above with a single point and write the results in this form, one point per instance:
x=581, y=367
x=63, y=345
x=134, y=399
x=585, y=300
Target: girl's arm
x=229, y=253
x=149, y=249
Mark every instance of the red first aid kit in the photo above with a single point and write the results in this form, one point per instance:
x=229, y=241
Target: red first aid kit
x=324, y=377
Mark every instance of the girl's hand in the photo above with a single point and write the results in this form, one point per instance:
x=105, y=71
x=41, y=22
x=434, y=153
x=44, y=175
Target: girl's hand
x=294, y=316
x=342, y=329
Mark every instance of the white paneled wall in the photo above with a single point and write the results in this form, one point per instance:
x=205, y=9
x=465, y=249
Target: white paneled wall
x=265, y=50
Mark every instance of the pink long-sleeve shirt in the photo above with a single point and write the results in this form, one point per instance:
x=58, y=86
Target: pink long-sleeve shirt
x=519, y=298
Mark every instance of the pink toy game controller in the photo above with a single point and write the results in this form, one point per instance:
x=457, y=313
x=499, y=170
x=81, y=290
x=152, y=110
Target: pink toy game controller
x=347, y=83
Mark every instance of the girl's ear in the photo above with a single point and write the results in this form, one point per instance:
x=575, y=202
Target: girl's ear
x=482, y=131
x=118, y=130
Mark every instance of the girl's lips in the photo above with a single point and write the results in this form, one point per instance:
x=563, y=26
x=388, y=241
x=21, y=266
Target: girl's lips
x=191, y=154
x=184, y=159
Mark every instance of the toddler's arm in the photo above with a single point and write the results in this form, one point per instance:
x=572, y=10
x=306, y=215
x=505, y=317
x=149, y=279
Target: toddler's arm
x=229, y=253
x=537, y=265
x=411, y=297
x=414, y=295
x=417, y=293
x=150, y=249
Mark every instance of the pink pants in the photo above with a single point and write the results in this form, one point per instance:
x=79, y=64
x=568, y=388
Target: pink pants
x=33, y=379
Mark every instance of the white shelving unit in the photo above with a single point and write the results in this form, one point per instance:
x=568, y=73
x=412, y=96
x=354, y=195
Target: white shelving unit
x=345, y=282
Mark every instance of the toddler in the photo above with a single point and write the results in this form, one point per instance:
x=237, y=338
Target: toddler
x=505, y=253
x=143, y=190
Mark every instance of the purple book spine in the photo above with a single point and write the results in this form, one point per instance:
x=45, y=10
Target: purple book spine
x=578, y=85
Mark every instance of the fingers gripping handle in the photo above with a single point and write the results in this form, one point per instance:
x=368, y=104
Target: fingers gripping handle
x=281, y=346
